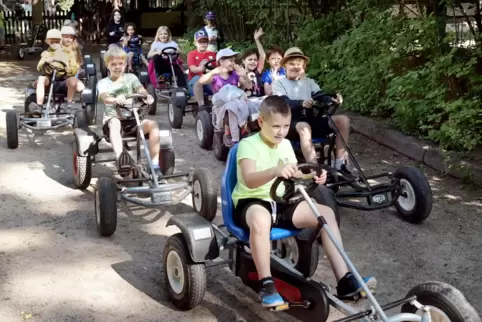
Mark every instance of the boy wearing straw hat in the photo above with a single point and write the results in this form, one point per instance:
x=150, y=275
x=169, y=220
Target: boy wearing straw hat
x=297, y=89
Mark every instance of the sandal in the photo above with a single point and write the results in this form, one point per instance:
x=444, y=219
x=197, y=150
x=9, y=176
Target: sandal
x=124, y=164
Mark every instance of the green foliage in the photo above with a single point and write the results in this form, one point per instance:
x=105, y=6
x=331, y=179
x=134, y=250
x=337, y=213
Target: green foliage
x=385, y=64
x=65, y=4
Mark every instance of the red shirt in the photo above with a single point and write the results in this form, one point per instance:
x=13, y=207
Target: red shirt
x=195, y=57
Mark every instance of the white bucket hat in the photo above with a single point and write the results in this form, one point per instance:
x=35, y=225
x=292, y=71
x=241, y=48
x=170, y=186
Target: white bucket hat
x=54, y=34
x=68, y=30
x=226, y=52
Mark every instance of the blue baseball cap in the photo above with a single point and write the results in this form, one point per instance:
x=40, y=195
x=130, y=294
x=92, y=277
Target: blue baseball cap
x=210, y=15
x=200, y=34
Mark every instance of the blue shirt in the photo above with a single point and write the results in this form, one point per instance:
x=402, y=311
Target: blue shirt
x=267, y=77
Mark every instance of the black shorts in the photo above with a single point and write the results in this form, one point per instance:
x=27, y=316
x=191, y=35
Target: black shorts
x=320, y=128
x=128, y=128
x=60, y=86
x=284, y=213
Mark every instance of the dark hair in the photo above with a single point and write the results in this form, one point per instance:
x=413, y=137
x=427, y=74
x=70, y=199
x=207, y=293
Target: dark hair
x=127, y=25
x=274, y=104
x=111, y=20
x=274, y=50
x=249, y=52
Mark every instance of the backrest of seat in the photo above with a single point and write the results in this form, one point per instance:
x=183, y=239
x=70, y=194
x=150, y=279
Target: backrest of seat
x=228, y=183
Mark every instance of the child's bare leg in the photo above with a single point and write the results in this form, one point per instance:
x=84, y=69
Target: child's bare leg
x=342, y=122
x=71, y=89
x=259, y=221
x=199, y=93
x=130, y=56
x=40, y=91
x=307, y=147
x=150, y=127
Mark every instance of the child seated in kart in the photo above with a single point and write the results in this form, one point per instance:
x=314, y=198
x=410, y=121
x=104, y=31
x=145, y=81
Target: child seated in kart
x=261, y=158
x=53, y=53
x=227, y=72
x=114, y=29
x=298, y=89
x=71, y=48
x=253, y=62
x=274, y=56
x=197, y=59
x=162, y=65
x=132, y=44
x=113, y=91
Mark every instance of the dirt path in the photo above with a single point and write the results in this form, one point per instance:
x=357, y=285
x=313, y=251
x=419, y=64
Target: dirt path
x=54, y=267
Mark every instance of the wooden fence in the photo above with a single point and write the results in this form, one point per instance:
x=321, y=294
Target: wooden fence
x=18, y=26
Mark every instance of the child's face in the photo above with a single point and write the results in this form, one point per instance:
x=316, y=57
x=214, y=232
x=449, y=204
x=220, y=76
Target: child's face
x=117, y=66
x=117, y=17
x=228, y=63
x=202, y=44
x=274, y=60
x=53, y=43
x=67, y=40
x=251, y=62
x=275, y=127
x=294, y=67
x=130, y=30
x=163, y=36
x=211, y=22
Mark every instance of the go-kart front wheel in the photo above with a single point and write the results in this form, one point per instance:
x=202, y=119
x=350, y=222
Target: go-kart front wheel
x=12, y=129
x=204, y=196
x=81, y=119
x=415, y=201
x=153, y=107
x=106, y=206
x=446, y=303
x=204, y=129
x=298, y=254
x=185, y=280
x=220, y=150
x=167, y=161
x=82, y=165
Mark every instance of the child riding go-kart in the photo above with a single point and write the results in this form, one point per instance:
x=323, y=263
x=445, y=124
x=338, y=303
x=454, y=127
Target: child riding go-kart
x=281, y=285
x=124, y=123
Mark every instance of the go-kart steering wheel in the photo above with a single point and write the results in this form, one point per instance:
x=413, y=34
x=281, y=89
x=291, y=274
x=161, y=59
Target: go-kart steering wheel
x=208, y=65
x=321, y=103
x=170, y=51
x=49, y=68
x=290, y=194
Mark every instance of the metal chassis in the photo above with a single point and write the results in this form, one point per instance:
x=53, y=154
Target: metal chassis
x=159, y=190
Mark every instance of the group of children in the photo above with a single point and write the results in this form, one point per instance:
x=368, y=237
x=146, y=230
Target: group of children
x=285, y=114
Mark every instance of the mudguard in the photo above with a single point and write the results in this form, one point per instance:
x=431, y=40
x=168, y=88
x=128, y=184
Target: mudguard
x=165, y=137
x=88, y=59
x=144, y=77
x=90, y=69
x=179, y=97
x=199, y=235
x=85, y=141
x=87, y=96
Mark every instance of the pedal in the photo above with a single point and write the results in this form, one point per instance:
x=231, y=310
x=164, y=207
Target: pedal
x=283, y=307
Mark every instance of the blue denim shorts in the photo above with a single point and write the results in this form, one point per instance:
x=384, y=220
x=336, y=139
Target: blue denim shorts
x=190, y=85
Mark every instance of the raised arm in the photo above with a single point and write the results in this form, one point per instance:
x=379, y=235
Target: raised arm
x=262, y=55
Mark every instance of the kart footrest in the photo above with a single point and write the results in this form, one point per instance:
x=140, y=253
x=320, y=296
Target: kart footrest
x=282, y=307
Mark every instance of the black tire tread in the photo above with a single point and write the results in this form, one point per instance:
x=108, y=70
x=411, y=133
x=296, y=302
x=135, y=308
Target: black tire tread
x=84, y=168
x=208, y=130
x=176, y=123
x=220, y=150
x=167, y=161
x=153, y=107
x=209, y=194
x=12, y=129
x=107, y=190
x=80, y=119
x=195, y=273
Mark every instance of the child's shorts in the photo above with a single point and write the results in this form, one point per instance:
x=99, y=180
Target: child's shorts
x=283, y=212
x=206, y=88
x=320, y=128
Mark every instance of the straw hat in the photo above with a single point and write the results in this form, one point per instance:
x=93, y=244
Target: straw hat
x=294, y=52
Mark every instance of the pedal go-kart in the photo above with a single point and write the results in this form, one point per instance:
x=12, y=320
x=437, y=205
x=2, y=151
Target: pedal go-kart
x=89, y=94
x=189, y=253
x=408, y=189
x=181, y=102
x=208, y=136
x=52, y=116
x=86, y=147
x=34, y=43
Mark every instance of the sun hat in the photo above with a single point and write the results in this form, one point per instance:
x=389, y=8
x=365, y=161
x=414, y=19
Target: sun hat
x=54, y=34
x=292, y=53
x=226, y=52
x=68, y=30
x=210, y=15
x=201, y=34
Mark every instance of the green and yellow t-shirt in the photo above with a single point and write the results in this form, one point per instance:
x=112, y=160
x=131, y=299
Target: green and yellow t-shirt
x=254, y=148
x=126, y=85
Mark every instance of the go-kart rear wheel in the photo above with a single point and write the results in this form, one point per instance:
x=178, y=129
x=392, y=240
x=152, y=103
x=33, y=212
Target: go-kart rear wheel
x=153, y=107
x=298, y=254
x=415, y=202
x=186, y=281
x=204, y=196
x=81, y=119
x=20, y=53
x=446, y=303
x=175, y=113
x=204, y=129
x=167, y=161
x=106, y=206
x=82, y=166
x=90, y=114
x=12, y=129
x=220, y=150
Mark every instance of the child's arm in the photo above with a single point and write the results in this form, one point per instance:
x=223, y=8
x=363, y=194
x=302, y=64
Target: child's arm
x=191, y=62
x=152, y=52
x=262, y=54
x=43, y=58
x=72, y=65
x=208, y=77
x=244, y=81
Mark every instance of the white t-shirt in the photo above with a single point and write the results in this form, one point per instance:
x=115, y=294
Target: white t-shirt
x=295, y=89
x=157, y=45
x=212, y=32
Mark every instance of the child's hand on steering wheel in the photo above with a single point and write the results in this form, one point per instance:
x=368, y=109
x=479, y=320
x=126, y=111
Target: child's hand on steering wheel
x=49, y=60
x=149, y=100
x=322, y=178
x=338, y=100
x=286, y=170
x=308, y=103
x=120, y=100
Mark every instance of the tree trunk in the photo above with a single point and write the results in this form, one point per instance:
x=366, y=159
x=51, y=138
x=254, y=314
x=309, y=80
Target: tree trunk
x=37, y=12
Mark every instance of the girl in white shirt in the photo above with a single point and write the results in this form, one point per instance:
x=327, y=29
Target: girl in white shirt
x=162, y=66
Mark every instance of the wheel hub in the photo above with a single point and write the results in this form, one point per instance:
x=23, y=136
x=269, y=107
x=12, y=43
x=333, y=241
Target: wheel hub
x=436, y=314
x=407, y=196
x=197, y=196
x=97, y=207
x=175, y=273
x=199, y=130
x=287, y=250
x=170, y=110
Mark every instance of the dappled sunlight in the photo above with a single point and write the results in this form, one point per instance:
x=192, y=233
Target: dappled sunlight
x=18, y=239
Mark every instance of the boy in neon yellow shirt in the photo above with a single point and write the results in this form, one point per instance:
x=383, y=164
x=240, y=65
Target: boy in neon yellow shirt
x=261, y=159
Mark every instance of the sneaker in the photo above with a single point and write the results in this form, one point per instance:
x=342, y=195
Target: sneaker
x=124, y=164
x=345, y=172
x=349, y=289
x=67, y=107
x=227, y=140
x=268, y=294
x=34, y=108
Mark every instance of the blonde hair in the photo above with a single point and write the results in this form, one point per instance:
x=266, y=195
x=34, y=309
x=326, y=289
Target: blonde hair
x=161, y=29
x=114, y=52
